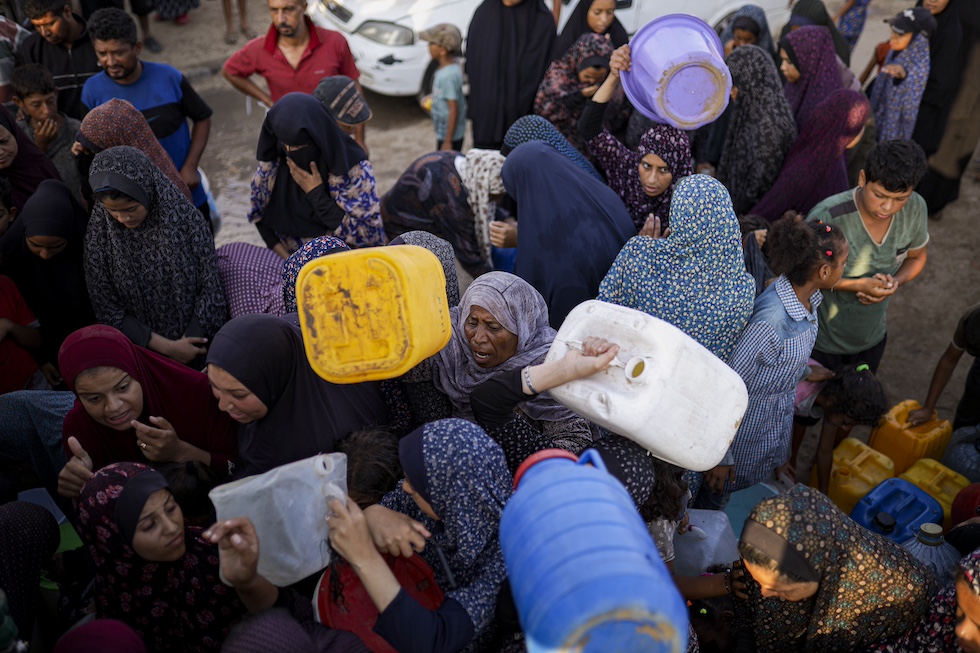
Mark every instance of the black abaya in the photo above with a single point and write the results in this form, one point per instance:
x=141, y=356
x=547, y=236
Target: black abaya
x=508, y=50
x=947, y=58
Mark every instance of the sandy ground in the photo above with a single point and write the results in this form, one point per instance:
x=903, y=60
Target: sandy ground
x=922, y=315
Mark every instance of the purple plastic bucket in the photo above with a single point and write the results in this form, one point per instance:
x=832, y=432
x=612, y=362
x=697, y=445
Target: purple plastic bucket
x=678, y=74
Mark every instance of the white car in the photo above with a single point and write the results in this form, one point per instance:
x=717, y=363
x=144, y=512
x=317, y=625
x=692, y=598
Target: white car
x=383, y=34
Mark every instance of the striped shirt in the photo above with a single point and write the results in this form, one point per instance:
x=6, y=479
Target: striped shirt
x=771, y=356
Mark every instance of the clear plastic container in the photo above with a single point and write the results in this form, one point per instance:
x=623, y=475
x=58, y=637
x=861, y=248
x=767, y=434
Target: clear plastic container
x=857, y=470
x=372, y=314
x=664, y=391
x=288, y=505
x=711, y=541
x=939, y=481
x=906, y=444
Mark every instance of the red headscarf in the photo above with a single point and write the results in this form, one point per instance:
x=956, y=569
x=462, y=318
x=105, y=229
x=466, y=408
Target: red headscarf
x=170, y=390
x=29, y=168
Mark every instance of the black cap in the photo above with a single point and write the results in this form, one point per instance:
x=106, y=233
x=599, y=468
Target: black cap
x=916, y=19
x=342, y=99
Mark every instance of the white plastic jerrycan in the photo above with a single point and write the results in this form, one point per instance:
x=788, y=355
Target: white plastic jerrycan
x=664, y=390
x=288, y=507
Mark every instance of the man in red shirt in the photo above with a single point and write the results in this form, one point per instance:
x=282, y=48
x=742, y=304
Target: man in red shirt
x=294, y=55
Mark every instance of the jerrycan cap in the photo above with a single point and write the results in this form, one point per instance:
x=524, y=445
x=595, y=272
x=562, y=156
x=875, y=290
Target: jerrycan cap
x=535, y=458
x=884, y=521
x=931, y=534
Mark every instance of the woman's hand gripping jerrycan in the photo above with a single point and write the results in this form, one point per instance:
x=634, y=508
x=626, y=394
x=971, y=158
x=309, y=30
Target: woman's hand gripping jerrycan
x=585, y=573
x=664, y=391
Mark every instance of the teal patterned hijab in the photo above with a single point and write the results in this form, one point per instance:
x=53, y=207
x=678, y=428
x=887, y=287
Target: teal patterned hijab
x=870, y=588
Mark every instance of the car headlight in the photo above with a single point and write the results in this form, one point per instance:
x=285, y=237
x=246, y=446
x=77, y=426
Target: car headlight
x=386, y=33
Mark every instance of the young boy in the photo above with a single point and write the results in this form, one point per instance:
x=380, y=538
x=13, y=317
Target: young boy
x=885, y=223
x=448, y=103
x=36, y=97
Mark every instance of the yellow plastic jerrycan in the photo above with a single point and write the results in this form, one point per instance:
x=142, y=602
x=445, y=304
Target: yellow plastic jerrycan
x=372, y=314
x=939, y=481
x=905, y=444
x=857, y=470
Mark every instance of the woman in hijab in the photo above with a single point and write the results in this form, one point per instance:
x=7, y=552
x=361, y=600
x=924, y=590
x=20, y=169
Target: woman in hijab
x=571, y=226
x=158, y=575
x=149, y=258
x=948, y=50
x=448, y=195
x=941, y=185
x=252, y=279
x=590, y=17
x=43, y=253
x=499, y=328
x=761, y=131
x=22, y=163
x=507, y=53
x=312, y=180
x=134, y=405
x=456, y=485
x=695, y=277
x=310, y=251
x=897, y=91
x=810, y=70
x=570, y=81
x=260, y=374
x=643, y=179
x=820, y=582
x=117, y=122
x=536, y=128
x=813, y=12
x=814, y=168
x=749, y=26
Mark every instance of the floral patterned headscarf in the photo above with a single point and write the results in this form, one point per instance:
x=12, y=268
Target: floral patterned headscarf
x=181, y=602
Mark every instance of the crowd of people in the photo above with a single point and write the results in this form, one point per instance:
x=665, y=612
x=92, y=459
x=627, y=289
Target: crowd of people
x=143, y=367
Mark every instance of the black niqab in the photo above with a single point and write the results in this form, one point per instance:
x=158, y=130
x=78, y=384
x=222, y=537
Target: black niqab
x=299, y=119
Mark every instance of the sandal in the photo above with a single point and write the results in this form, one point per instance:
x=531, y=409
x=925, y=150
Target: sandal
x=231, y=38
x=182, y=19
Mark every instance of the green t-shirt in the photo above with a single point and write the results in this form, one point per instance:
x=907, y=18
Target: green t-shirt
x=846, y=325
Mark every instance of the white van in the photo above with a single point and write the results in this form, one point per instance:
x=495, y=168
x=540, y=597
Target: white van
x=383, y=34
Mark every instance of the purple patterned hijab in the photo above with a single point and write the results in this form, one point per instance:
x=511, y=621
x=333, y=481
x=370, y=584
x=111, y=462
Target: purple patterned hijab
x=814, y=168
x=621, y=165
x=811, y=49
x=521, y=310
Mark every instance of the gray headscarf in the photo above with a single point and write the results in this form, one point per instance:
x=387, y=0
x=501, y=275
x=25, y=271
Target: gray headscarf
x=521, y=310
x=443, y=251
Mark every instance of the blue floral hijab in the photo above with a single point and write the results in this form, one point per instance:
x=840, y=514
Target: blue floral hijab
x=694, y=278
x=467, y=483
x=310, y=251
x=537, y=128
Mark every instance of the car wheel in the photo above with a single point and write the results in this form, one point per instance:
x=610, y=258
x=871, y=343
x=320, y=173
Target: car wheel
x=426, y=89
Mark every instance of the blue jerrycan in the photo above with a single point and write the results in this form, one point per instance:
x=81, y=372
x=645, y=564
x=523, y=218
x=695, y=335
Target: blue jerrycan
x=896, y=509
x=585, y=573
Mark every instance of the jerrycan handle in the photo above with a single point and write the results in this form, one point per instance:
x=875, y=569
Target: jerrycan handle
x=535, y=458
x=592, y=457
